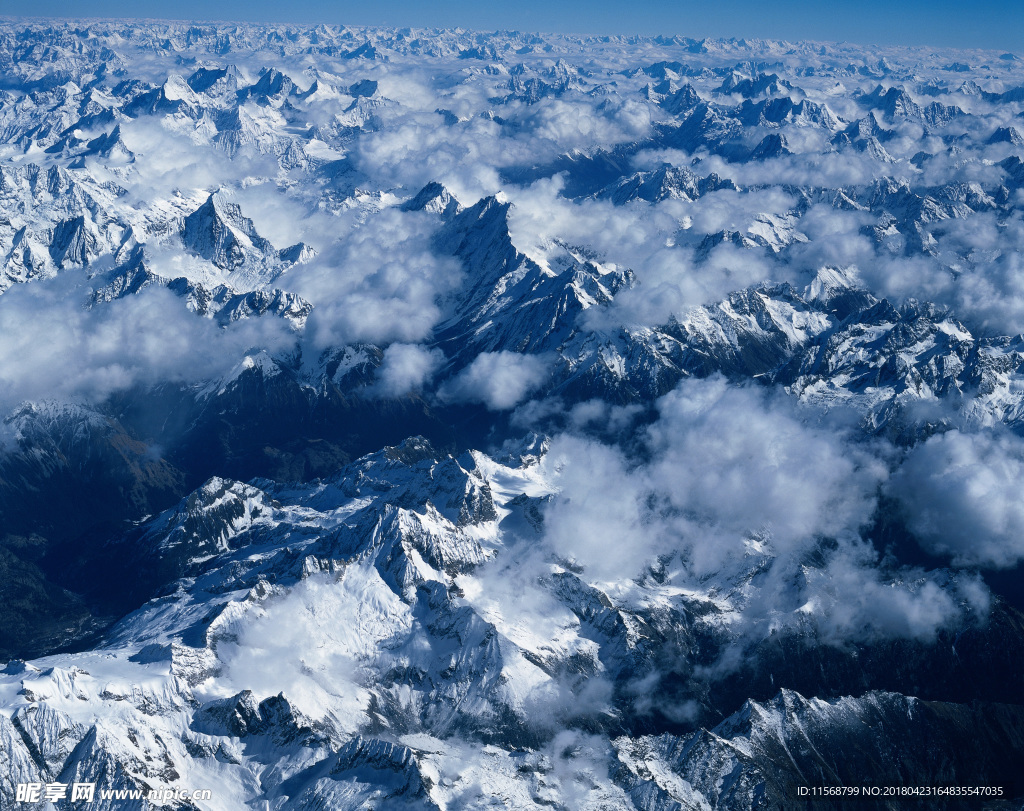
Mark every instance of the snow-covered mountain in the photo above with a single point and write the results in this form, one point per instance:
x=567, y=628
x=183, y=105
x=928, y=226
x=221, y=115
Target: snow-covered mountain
x=436, y=419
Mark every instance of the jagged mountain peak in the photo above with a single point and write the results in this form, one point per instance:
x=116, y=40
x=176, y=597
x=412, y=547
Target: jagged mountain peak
x=219, y=232
x=175, y=88
x=436, y=199
x=749, y=87
x=205, y=78
x=773, y=145
x=365, y=88
x=1006, y=135
x=838, y=290
x=108, y=144
x=273, y=87
x=665, y=182
x=682, y=100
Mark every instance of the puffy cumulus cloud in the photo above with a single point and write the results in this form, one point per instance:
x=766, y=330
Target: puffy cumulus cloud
x=804, y=139
x=649, y=240
x=621, y=234
x=412, y=145
x=381, y=284
x=499, y=380
x=673, y=282
x=752, y=496
x=847, y=596
x=960, y=496
x=172, y=154
x=951, y=165
x=729, y=210
x=412, y=89
x=830, y=170
x=725, y=464
x=540, y=416
x=579, y=123
x=599, y=518
x=852, y=599
x=53, y=347
x=283, y=217
x=740, y=460
x=406, y=368
x=834, y=237
x=600, y=415
x=417, y=149
x=991, y=297
x=978, y=273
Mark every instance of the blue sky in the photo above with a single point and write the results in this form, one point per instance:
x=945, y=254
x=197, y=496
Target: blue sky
x=997, y=24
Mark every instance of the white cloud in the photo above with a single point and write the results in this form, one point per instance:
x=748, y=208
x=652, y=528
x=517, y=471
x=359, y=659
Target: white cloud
x=406, y=368
x=960, y=494
x=749, y=456
x=851, y=600
x=741, y=486
x=55, y=348
x=171, y=156
x=499, y=380
x=725, y=463
x=381, y=284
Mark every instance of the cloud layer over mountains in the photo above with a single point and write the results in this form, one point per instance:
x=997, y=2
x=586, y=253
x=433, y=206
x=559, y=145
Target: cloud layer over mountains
x=561, y=395
x=697, y=176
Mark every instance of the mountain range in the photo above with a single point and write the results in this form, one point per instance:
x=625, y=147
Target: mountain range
x=400, y=418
